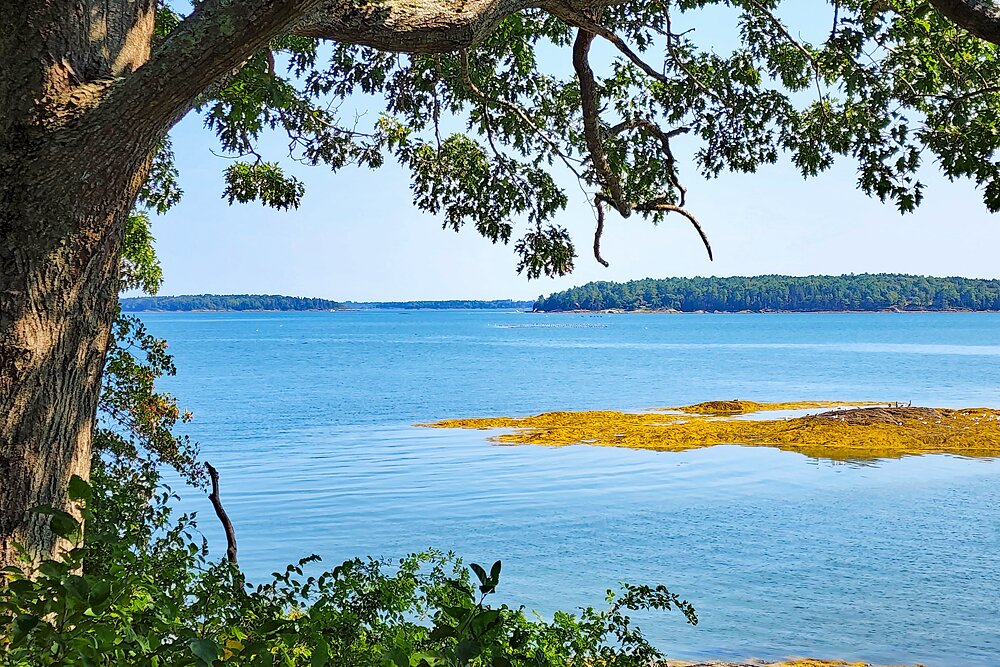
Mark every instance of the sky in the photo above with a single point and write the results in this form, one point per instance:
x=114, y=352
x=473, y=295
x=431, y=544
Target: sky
x=357, y=235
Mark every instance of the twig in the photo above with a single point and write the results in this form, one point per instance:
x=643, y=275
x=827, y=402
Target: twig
x=514, y=108
x=657, y=205
x=220, y=512
x=699, y=84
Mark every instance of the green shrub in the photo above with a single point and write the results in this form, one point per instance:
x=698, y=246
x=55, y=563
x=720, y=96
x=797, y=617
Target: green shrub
x=153, y=597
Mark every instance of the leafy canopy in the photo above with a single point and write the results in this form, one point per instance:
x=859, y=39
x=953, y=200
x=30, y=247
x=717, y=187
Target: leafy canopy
x=490, y=133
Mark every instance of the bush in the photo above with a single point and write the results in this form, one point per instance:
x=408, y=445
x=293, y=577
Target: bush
x=158, y=600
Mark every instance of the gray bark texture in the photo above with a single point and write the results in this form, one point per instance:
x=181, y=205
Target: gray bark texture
x=84, y=100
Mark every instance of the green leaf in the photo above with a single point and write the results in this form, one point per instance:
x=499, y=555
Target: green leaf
x=484, y=621
x=398, y=657
x=79, y=489
x=441, y=632
x=206, y=650
x=64, y=525
x=320, y=654
x=23, y=624
x=466, y=650
x=53, y=569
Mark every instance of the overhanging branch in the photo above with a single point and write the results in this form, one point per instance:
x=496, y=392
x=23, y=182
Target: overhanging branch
x=979, y=17
x=423, y=26
x=216, y=38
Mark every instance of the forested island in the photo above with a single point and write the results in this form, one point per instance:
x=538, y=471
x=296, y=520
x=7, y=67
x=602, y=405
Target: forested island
x=497, y=304
x=853, y=292
x=252, y=302
x=226, y=302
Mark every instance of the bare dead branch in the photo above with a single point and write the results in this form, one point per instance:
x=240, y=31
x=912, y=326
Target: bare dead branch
x=220, y=512
x=599, y=205
x=666, y=207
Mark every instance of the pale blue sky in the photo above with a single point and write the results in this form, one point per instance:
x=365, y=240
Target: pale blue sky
x=358, y=237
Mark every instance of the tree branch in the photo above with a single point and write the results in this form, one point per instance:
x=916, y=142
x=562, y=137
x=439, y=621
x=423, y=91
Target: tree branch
x=216, y=38
x=592, y=122
x=599, y=205
x=576, y=18
x=979, y=17
x=683, y=66
x=657, y=205
x=651, y=128
x=411, y=26
x=422, y=26
x=220, y=512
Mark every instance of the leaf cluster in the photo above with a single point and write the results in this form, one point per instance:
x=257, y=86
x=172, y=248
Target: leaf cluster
x=490, y=134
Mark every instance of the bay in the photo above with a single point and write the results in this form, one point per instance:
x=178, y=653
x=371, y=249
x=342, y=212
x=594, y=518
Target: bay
x=309, y=417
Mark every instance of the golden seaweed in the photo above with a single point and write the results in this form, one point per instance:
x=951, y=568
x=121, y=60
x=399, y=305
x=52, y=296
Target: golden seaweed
x=854, y=433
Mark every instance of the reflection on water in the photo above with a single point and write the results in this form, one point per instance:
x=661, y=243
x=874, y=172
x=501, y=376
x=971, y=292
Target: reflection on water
x=307, y=417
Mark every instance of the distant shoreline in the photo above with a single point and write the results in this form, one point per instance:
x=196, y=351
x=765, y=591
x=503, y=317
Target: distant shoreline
x=277, y=303
x=670, y=311
x=865, y=292
x=610, y=311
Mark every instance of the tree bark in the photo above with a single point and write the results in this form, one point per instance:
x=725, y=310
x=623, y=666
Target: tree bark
x=68, y=179
x=979, y=17
x=59, y=264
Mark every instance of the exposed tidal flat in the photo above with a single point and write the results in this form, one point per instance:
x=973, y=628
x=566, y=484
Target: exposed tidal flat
x=888, y=561
x=861, y=432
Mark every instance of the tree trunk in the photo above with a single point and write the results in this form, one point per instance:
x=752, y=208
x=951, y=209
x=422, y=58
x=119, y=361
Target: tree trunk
x=59, y=263
x=82, y=109
x=68, y=179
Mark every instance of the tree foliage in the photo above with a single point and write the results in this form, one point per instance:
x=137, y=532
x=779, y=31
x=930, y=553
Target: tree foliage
x=871, y=292
x=491, y=134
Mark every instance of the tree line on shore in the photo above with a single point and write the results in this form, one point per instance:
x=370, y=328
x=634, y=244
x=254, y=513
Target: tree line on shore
x=864, y=292
x=495, y=304
x=237, y=302
x=247, y=302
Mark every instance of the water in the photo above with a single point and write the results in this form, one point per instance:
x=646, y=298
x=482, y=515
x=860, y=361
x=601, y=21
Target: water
x=309, y=418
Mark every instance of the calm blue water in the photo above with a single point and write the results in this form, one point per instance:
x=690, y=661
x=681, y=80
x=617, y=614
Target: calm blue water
x=308, y=417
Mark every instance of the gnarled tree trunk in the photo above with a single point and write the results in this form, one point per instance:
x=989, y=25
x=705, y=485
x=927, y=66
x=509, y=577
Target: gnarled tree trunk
x=58, y=298
x=82, y=108
x=68, y=179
